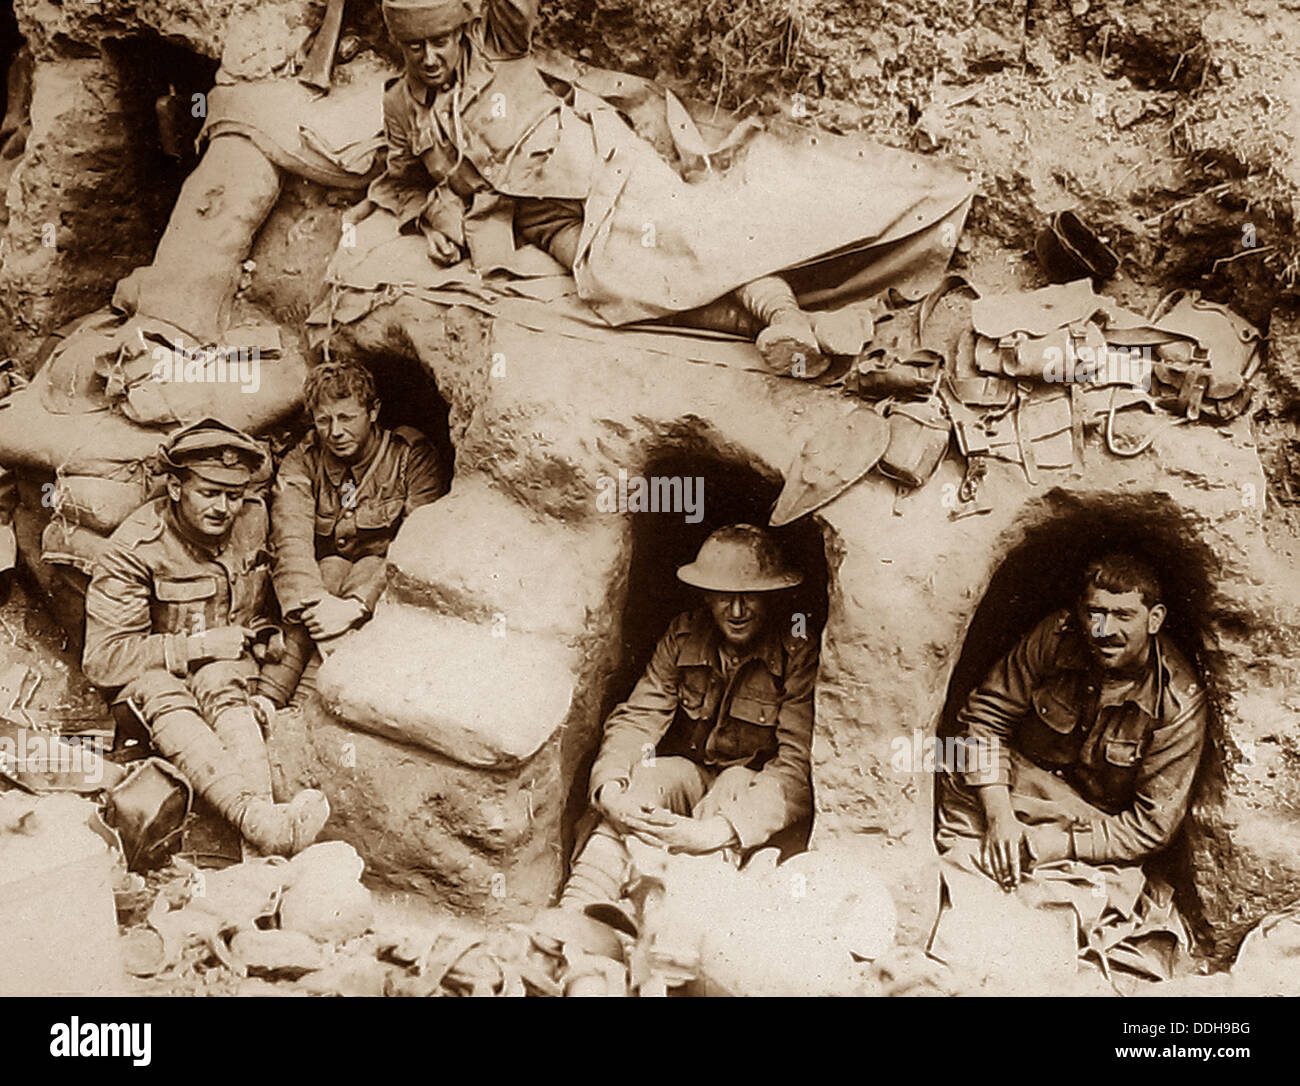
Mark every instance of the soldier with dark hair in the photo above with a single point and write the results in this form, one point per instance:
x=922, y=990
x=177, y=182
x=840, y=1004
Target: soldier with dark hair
x=1093, y=726
x=339, y=498
x=1100, y=709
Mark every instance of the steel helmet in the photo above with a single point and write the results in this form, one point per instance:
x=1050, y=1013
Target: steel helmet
x=739, y=558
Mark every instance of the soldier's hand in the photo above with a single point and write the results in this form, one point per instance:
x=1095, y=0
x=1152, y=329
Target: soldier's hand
x=625, y=813
x=695, y=836
x=442, y=250
x=219, y=643
x=1002, y=848
x=332, y=616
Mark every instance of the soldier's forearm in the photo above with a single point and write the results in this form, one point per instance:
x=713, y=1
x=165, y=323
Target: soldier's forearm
x=995, y=801
x=114, y=662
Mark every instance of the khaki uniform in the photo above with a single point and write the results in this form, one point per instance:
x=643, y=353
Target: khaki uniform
x=497, y=142
x=753, y=725
x=332, y=524
x=1117, y=763
x=149, y=591
x=153, y=587
x=323, y=509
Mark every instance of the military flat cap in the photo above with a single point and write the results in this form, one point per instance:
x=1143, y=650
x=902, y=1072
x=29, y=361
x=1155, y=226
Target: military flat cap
x=415, y=20
x=213, y=451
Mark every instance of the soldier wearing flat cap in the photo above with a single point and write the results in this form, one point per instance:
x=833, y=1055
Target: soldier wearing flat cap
x=725, y=707
x=175, y=605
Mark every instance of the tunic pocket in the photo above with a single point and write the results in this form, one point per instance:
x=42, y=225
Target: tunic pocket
x=183, y=605
x=1122, y=752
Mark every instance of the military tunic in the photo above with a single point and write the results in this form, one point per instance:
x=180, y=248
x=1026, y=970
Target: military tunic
x=467, y=155
x=153, y=587
x=1128, y=751
x=324, y=511
x=757, y=714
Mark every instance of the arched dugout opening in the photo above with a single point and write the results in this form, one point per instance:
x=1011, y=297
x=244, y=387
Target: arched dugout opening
x=733, y=492
x=1043, y=574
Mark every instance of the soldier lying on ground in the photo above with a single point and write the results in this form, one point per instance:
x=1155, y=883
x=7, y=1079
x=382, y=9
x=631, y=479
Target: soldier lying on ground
x=172, y=608
x=1096, y=721
x=473, y=121
x=338, y=500
x=711, y=750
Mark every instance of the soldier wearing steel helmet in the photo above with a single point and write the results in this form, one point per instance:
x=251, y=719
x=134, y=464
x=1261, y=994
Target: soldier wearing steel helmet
x=175, y=605
x=711, y=749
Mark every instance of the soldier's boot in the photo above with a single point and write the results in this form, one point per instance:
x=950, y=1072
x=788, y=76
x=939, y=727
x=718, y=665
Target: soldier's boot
x=598, y=873
x=788, y=341
x=844, y=331
x=216, y=774
x=279, y=679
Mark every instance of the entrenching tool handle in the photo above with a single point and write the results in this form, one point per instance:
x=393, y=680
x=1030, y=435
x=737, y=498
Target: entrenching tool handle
x=319, y=68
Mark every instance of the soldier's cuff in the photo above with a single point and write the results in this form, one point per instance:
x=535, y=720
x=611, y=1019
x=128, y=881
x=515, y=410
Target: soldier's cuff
x=750, y=830
x=595, y=786
x=364, y=598
x=1049, y=841
x=176, y=654
x=981, y=777
x=1083, y=842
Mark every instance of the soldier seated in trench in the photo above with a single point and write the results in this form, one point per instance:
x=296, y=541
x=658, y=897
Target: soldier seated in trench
x=1095, y=722
x=174, y=613
x=339, y=498
x=710, y=752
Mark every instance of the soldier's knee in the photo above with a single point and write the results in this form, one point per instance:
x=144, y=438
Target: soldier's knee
x=159, y=691
x=222, y=685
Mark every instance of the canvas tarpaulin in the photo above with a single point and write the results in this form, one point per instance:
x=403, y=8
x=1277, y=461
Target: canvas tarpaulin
x=685, y=207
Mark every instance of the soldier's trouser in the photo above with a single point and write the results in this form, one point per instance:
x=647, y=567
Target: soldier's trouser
x=227, y=763
x=293, y=676
x=960, y=815
x=552, y=225
x=601, y=867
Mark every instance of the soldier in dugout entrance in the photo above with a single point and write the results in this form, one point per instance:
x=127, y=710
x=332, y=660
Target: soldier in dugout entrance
x=339, y=498
x=726, y=708
x=1098, y=721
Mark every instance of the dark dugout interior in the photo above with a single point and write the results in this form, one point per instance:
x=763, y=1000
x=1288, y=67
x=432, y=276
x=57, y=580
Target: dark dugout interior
x=409, y=396
x=1044, y=573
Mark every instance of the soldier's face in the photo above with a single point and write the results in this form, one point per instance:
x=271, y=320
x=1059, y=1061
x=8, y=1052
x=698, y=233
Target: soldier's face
x=206, y=508
x=432, y=61
x=344, y=426
x=739, y=615
x=1119, y=627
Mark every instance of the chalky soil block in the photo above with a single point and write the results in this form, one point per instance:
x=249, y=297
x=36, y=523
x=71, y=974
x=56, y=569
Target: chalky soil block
x=58, y=923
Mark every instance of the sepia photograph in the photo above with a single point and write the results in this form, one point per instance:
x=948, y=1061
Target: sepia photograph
x=650, y=498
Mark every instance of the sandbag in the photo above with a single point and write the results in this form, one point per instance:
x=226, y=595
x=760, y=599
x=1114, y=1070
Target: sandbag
x=98, y=504
x=67, y=544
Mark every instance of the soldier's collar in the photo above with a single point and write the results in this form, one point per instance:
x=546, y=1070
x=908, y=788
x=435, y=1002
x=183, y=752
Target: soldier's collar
x=421, y=94
x=700, y=649
x=337, y=470
x=1147, y=694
